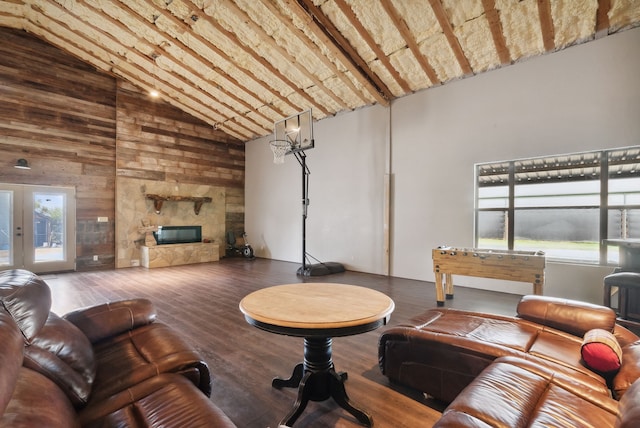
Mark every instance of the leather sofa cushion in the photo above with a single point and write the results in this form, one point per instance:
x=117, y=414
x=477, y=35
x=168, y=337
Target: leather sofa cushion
x=27, y=298
x=38, y=402
x=63, y=353
x=145, y=405
x=516, y=393
x=110, y=319
x=144, y=352
x=574, y=317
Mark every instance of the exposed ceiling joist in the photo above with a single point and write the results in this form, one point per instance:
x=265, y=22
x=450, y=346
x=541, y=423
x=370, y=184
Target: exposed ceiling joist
x=311, y=47
x=497, y=33
x=409, y=38
x=220, y=80
x=546, y=25
x=241, y=65
x=602, y=19
x=322, y=27
x=443, y=20
x=371, y=43
x=274, y=48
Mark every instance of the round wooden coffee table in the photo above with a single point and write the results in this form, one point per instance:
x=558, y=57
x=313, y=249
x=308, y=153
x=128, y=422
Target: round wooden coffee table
x=317, y=312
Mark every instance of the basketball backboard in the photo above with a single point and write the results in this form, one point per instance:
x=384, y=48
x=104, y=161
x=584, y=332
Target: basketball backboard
x=297, y=130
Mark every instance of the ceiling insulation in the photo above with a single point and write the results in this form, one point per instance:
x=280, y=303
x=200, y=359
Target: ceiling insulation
x=241, y=65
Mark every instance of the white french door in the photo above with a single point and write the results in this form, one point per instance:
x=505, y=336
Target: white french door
x=37, y=228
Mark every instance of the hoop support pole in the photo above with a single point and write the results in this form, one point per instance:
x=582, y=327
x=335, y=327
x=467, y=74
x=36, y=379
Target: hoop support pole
x=302, y=160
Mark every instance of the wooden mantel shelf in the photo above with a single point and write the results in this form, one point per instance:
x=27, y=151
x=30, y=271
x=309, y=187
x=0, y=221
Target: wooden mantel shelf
x=158, y=200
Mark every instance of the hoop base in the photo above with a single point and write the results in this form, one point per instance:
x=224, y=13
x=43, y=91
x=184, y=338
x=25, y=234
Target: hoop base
x=320, y=269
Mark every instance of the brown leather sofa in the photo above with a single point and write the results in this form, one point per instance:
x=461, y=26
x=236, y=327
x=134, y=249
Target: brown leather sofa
x=513, y=392
x=441, y=351
x=104, y=366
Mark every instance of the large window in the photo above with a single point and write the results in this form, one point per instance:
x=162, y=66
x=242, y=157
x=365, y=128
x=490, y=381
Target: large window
x=564, y=205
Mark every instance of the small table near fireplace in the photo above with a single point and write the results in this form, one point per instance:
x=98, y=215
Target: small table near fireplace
x=317, y=312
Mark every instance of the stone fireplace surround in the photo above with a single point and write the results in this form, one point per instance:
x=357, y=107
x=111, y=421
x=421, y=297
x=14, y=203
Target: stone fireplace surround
x=133, y=208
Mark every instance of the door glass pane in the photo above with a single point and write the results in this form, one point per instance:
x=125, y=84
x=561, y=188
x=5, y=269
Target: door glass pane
x=48, y=227
x=5, y=228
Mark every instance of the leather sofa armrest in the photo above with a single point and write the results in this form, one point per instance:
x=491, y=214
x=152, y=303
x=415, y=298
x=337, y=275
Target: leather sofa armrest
x=629, y=415
x=629, y=370
x=63, y=353
x=624, y=336
x=27, y=298
x=110, y=319
x=571, y=316
x=12, y=344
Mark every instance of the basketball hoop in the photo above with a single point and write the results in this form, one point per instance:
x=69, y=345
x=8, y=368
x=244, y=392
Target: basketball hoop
x=279, y=149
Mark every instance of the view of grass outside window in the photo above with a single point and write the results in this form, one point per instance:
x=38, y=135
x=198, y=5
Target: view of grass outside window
x=564, y=205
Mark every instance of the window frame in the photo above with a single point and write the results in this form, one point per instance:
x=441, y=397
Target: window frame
x=625, y=162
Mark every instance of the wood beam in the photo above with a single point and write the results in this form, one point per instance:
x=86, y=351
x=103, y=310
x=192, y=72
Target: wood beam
x=546, y=25
x=313, y=48
x=202, y=61
x=55, y=38
x=125, y=67
x=497, y=34
x=189, y=75
x=250, y=73
x=602, y=18
x=151, y=67
x=266, y=38
x=339, y=46
x=348, y=12
x=454, y=43
x=403, y=28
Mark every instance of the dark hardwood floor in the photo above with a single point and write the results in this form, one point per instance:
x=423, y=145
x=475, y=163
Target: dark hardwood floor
x=201, y=301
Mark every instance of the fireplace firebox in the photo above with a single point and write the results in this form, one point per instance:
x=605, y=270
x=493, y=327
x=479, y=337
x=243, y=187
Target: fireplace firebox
x=178, y=234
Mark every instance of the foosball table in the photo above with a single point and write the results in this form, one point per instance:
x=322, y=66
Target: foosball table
x=521, y=266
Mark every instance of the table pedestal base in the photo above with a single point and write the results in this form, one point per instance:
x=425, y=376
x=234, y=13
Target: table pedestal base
x=317, y=380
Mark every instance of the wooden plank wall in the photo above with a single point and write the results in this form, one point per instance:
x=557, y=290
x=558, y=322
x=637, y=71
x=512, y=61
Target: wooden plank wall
x=159, y=142
x=59, y=114
x=81, y=128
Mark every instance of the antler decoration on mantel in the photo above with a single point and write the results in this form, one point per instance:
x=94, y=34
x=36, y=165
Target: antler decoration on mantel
x=148, y=229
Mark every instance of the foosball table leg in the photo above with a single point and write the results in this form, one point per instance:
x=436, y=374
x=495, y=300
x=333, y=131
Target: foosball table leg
x=439, y=289
x=449, y=283
x=537, y=288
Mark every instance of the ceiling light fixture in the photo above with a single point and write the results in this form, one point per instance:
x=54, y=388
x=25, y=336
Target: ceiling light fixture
x=153, y=92
x=22, y=164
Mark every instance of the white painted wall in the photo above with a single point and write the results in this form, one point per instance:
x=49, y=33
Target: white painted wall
x=583, y=98
x=345, y=220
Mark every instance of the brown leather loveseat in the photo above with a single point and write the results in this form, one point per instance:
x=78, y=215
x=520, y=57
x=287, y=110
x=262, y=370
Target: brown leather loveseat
x=108, y=365
x=450, y=354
